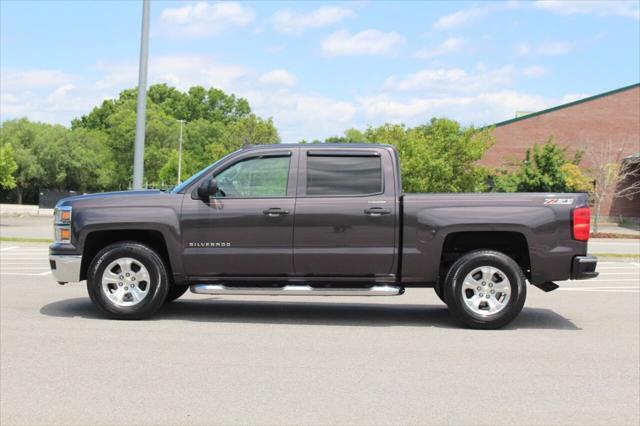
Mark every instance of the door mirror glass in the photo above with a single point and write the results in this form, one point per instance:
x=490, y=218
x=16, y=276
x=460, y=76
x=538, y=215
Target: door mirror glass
x=207, y=189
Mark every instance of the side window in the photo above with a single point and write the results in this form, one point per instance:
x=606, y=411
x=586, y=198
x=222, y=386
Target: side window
x=255, y=177
x=338, y=175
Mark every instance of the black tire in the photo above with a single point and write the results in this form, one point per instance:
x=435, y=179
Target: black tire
x=156, y=292
x=439, y=293
x=455, y=297
x=175, y=291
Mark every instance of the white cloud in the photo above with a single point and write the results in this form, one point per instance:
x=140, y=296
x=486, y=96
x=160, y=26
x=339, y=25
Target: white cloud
x=465, y=17
x=367, y=42
x=459, y=18
x=450, y=45
x=571, y=97
x=301, y=115
x=32, y=78
x=482, y=108
x=278, y=77
x=547, y=48
x=204, y=19
x=535, y=71
x=451, y=80
x=625, y=8
x=297, y=113
x=288, y=22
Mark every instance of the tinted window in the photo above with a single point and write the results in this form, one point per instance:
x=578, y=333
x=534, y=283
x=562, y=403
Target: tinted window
x=255, y=177
x=343, y=175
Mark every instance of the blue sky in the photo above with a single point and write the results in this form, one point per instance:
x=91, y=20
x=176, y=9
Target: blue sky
x=318, y=68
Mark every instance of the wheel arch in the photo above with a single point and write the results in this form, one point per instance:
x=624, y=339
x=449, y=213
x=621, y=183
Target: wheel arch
x=511, y=243
x=97, y=240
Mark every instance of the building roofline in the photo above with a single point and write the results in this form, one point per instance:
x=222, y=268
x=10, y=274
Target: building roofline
x=569, y=104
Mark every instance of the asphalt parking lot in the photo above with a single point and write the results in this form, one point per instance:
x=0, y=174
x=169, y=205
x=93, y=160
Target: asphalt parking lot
x=571, y=357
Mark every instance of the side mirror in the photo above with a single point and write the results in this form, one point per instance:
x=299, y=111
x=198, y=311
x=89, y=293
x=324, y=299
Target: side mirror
x=208, y=188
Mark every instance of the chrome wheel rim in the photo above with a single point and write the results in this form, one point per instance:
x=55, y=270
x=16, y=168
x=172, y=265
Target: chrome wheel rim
x=486, y=291
x=126, y=282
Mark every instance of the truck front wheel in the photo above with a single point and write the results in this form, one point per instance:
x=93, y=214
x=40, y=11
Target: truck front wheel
x=175, y=291
x=127, y=280
x=485, y=289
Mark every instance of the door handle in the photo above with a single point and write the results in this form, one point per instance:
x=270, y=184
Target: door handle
x=275, y=211
x=377, y=211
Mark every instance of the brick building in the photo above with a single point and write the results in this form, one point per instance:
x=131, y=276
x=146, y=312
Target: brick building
x=604, y=125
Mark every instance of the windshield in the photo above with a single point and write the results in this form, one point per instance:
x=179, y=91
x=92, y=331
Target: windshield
x=197, y=176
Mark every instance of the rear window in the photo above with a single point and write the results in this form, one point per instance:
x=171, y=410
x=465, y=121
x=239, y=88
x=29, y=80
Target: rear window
x=340, y=175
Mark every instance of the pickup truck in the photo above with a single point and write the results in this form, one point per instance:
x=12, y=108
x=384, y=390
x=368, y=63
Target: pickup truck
x=318, y=219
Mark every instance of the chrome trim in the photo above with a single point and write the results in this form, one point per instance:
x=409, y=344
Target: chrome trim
x=296, y=290
x=67, y=267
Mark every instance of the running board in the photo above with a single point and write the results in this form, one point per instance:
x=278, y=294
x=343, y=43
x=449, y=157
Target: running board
x=296, y=290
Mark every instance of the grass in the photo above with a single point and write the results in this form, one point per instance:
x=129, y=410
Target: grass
x=26, y=240
x=633, y=257
x=614, y=235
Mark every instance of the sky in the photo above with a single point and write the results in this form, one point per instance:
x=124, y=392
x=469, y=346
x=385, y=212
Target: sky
x=318, y=68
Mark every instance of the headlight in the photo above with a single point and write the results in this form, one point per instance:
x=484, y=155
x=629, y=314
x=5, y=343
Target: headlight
x=62, y=224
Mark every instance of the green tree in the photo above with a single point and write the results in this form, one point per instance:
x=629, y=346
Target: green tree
x=8, y=167
x=545, y=168
x=439, y=156
x=22, y=136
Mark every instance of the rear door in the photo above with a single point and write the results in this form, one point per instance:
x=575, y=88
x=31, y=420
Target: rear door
x=345, y=223
x=246, y=230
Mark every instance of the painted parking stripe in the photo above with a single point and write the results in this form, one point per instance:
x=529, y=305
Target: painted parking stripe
x=586, y=290
x=25, y=275
x=17, y=269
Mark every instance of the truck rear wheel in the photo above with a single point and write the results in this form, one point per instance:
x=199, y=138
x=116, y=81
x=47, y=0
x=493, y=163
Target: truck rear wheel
x=485, y=289
x=127, y=280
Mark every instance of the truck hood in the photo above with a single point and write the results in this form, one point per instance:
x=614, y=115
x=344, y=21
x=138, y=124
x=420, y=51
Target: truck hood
x=109, y=196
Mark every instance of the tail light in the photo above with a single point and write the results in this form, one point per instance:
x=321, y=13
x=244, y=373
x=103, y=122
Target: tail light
x=581, y=221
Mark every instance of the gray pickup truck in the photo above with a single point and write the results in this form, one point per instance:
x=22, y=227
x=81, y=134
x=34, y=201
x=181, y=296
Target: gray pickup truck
x=327, y=220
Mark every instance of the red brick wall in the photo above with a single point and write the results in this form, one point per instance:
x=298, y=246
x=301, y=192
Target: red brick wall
x=612, y=120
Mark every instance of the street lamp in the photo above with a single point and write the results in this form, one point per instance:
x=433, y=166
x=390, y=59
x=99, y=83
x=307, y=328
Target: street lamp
x=180, y=153
x=138, y=154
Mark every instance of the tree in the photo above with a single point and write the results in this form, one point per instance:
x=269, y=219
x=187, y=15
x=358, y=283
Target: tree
x=545, y=168
x=630, y=173
x=22, y=136
x=436, y=157
x=611, y=176
x=8, y=167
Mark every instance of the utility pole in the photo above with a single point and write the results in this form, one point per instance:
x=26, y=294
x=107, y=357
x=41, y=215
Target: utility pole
x=138, y=155
x=180, y=153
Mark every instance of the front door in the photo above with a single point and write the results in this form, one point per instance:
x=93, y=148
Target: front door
x=345, y=214
x=246, y=230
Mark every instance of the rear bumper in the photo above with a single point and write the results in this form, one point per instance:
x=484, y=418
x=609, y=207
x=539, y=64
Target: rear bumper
x=584, y=267
x=65, y=268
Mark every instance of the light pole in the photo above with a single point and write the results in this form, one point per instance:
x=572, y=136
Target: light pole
x=138, y=155
x=180, y=153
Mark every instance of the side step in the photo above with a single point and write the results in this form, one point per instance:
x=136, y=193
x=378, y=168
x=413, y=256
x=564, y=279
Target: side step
x=296, y=290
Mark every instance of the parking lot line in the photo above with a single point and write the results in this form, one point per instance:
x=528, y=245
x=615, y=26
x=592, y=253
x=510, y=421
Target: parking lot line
x=21, y=274
x=604, y=290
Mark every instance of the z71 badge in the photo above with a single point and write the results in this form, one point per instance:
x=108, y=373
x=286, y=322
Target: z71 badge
x=562, y=201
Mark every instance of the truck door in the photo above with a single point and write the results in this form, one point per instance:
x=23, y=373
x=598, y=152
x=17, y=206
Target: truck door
x=345, y=224
x=246, y=230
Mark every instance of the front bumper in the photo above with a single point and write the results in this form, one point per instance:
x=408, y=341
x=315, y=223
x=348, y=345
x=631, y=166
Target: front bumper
x=584, y=267
x=65, y=267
